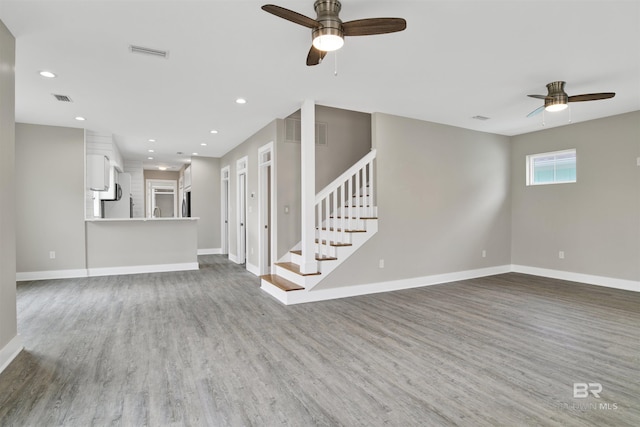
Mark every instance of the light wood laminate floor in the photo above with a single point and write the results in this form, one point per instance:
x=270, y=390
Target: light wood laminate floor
x=209, y=348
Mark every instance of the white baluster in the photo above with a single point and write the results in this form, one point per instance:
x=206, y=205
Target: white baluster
x=343, y=203
x=327, y=209
x=370, y=189
x=334, y=223
x=319, y=216
x=358, y=190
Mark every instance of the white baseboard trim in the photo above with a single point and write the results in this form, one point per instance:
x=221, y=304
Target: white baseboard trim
x=10, y=351
x=253, y=269
x=233, y=258
x=137, y=269
x=299, y=297
x=609, y=282
x=210, y=251
x=52, y=274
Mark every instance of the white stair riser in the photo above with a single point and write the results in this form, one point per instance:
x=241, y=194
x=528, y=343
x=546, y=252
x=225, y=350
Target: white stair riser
x=340, y=252
x=306, y=282
x=334, y=236
x=350, y=224
x=365, y=211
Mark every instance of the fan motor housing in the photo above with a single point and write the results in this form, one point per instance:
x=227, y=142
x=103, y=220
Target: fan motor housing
x=331, y=24
x=556, y=94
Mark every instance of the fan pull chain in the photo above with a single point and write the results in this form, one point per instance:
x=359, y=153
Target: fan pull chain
x=570, y=115
x=543, y=112
x=335, y=70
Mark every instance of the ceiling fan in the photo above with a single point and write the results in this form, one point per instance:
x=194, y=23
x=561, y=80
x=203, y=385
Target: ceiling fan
x=328, y=30
x=557, y=99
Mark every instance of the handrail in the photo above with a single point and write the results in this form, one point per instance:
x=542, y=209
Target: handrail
x=340, y=205
x=348, y=173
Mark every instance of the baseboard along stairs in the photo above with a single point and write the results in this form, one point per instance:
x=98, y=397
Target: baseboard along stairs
x=345, y=218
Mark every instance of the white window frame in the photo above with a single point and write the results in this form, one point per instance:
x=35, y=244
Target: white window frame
x=530, y=170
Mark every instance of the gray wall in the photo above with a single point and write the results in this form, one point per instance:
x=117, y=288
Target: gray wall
x=8, y=324
x=248, y=148
x=595, y=221
x=50, y=176
x=205, y=200
x=349, y=139
x=349, y=135
x=443, y=197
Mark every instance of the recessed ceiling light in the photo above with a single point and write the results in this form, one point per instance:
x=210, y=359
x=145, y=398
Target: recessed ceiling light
x=149, y=158
x=214, y=131
x=80, y=118
x=151, y=151
x=241, y=101
x=194, y=154
x=152, y=140
x=204, y=144
x=47, y=74
x=162, y=168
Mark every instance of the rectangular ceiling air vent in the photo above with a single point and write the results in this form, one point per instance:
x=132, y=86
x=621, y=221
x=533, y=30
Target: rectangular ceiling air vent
x=480, y=118
x=148, y=51
x=62, y=98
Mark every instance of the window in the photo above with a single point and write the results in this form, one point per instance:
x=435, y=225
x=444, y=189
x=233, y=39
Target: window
x=558, y=167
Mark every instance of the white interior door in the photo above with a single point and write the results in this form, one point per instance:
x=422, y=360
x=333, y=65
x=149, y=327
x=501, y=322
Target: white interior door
x=224, y=203
x=265, y=204
x=241, y=213
x=242, y=218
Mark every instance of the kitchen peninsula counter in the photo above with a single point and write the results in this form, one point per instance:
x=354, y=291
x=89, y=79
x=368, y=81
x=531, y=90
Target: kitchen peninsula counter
x=141, y=245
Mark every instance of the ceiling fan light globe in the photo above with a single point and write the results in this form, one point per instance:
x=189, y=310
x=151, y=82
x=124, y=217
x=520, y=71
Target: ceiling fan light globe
x=556, y=107
x=328, y=42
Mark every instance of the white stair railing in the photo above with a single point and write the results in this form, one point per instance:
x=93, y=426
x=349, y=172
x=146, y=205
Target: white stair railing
x=341, y=204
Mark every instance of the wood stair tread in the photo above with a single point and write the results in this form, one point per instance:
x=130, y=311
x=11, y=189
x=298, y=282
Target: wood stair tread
x=295, y=268
x=281, y=282
x=318, y=257
x=353, y=217
x=336, y=244
x=340, y=230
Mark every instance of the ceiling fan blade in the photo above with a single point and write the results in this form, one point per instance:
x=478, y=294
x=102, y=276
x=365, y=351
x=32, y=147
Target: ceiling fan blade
x=290, y=15
x=315, y=56
x=536, y=111
x=591, y=96
x=372, y=26
x=537, y=96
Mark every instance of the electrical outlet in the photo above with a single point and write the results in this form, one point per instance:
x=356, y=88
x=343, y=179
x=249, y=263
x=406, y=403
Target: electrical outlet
x=561, y=254
x=381, y=263
x=286, y=209
x=484, y=253
x=52, y=254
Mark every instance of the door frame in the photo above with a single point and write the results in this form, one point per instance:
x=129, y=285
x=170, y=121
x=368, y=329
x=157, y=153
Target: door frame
x=241, y=246
x=225, y=202
x=266, y=217
x=160, y=183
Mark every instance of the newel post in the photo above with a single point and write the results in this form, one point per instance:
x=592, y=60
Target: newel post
x=308, y=186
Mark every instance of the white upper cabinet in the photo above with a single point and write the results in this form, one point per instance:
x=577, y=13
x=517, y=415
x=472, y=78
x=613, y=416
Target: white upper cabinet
x=98, y=167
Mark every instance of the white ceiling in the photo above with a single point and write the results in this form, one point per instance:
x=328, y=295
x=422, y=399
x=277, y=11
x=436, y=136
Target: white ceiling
x=455, y=60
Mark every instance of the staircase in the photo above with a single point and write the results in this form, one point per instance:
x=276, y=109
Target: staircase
x=345, y=218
